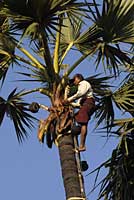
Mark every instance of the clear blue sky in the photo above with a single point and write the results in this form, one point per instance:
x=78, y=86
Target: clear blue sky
x=31, y=171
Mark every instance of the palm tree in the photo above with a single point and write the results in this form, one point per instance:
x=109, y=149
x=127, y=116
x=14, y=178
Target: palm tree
x=52, y=29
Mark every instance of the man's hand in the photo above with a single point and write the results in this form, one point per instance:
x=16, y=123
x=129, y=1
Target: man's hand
x=51, y=109
x=65, y=102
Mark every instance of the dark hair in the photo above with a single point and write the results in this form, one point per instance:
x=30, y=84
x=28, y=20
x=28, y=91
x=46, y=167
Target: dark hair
x=79, y=76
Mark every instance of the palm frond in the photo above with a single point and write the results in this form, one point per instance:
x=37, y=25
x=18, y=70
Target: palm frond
x=104, y=100
x=99, y=84
x=125, y=127
x=124, y=96
x=37, y=75
x=17, y=109
x=89, y=39
x=101, y=38
x=112, y=58
x=44, y=13
x=70, y=31
x=105, y=111
x=119, y=182
x=120, y=14
x=7, y=48
x=121, y=127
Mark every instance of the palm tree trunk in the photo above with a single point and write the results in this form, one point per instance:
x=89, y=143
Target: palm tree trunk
x=69, y=167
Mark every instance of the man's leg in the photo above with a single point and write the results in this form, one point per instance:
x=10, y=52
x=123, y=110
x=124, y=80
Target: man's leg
x=83, y=135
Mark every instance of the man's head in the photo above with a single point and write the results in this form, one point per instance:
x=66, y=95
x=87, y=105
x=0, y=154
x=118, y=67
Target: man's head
x=77, y=79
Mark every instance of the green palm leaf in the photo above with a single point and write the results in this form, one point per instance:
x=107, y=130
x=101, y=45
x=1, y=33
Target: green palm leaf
x=70, y=31
x=122, y=127
x=126, y=126
x=119, y=182
x=105, y=111
x=124, y=96
x=99, y=84
x=119, y=13
x=43, y=14
x=98, y=37
x=112, y=58
x=7, y=48
x=39, y=75
x=39, y=19
x=104, y=108
x=89, y=39
x=16, y=109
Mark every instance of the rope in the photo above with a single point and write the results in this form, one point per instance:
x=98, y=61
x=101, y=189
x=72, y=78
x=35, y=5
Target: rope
x=76, y=198
x=56, y=140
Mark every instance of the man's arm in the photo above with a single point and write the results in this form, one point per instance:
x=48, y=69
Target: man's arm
x=76, y=104
x=83, y=88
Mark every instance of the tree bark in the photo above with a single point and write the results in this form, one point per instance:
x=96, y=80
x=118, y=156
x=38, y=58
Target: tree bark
x=69, y=168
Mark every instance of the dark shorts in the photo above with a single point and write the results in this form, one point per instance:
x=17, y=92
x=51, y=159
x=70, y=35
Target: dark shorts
x=86, y=110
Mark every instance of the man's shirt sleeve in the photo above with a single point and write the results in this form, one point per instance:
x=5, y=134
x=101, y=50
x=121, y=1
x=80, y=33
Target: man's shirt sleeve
x=83, y=88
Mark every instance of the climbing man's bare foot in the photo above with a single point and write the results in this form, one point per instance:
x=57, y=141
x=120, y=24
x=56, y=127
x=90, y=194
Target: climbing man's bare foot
x=82, y=148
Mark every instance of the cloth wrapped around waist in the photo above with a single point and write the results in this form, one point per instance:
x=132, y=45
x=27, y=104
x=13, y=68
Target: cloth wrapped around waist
x=86, y=110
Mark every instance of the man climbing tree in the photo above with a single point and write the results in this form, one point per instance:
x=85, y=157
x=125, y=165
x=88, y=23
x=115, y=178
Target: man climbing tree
x=86, y=103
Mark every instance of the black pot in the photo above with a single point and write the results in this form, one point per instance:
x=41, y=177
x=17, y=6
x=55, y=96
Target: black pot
x=84, y=165
x=34, y=107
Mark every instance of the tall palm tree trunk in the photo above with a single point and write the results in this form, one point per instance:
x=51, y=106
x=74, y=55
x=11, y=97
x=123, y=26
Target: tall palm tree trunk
x=69, y=167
